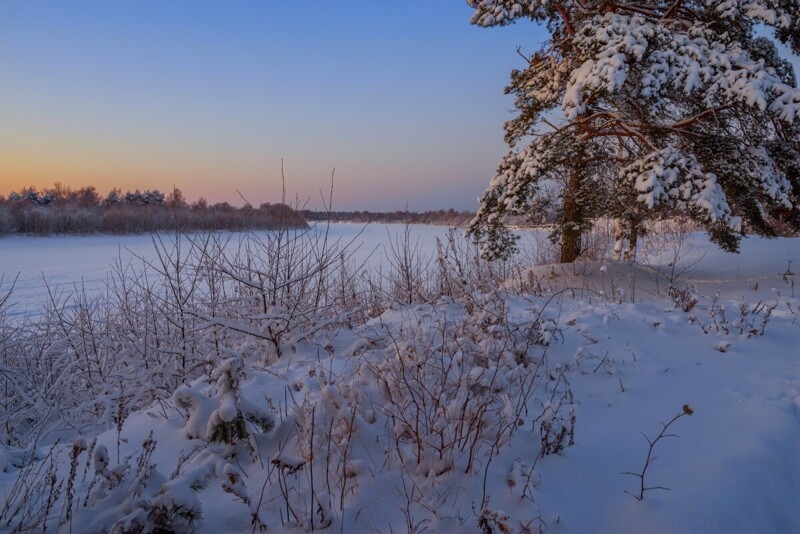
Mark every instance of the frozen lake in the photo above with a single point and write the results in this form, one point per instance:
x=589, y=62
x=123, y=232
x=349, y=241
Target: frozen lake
x=66, y=262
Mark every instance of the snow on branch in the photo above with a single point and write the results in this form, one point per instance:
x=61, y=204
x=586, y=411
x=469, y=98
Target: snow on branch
x=668, y=177
x=668, y=58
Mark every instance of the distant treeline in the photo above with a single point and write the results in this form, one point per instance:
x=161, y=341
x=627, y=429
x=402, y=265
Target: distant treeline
x=449, y=217
x=84, y=211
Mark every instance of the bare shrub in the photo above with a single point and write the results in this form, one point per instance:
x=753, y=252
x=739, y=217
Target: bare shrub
x=408, y=268
x=668, y=242
x=643, y=488
x=683, y=298
x=35, y=494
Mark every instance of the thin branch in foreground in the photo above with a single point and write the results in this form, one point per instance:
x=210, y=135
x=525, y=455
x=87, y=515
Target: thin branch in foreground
x=687, y=410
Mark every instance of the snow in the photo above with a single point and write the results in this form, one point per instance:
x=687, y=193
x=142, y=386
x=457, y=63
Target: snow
x=690, y=58
x=668, y=176
x=608, y=356
x=735, y=462
x=69, y=264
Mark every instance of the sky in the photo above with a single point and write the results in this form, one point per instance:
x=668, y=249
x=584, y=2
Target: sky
x=403, y=99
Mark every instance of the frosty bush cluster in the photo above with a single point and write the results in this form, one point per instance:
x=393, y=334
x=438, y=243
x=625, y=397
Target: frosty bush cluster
x=179, y=335
x=297, y=380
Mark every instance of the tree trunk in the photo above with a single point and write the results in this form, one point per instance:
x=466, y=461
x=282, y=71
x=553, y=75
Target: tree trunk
x=630, y=254
x=573, y=218
x=619, y=236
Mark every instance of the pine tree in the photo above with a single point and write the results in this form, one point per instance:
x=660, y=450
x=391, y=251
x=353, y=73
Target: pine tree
x=666, y=107
x=114, y=197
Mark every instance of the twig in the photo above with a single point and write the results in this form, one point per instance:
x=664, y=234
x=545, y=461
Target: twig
x=687, y=410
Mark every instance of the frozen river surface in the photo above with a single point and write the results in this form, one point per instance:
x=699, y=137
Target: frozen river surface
x=65, y=262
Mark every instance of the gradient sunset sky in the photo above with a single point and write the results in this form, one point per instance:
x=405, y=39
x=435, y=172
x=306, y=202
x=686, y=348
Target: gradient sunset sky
x=405, y=99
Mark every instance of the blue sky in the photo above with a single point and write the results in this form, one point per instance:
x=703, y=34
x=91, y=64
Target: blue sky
x=404, y=99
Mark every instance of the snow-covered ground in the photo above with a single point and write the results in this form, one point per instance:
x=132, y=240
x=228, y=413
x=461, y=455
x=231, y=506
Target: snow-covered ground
x=484, y=410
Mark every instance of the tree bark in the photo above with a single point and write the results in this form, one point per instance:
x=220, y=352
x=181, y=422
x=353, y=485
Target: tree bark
x=630, y=254
x=619, y=237
x=573, y=217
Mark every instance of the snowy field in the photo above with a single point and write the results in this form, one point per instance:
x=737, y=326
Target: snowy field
x=508, y=408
